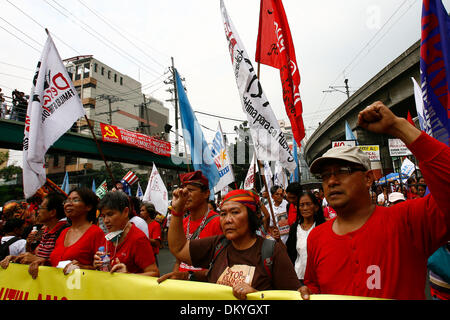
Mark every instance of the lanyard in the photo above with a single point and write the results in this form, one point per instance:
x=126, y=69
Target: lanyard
x=202, y=225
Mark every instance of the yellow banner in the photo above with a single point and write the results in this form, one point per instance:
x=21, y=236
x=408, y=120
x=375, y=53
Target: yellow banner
x=51, y=284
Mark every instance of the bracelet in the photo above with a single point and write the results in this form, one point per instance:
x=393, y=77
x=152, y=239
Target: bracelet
x=174, y=213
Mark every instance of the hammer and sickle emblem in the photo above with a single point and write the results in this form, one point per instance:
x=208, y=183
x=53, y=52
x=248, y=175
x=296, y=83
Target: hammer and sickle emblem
x=110, y=132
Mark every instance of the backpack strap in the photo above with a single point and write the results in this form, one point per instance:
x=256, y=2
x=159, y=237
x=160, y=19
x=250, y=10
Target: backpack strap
x=267, y=255
x=199, y=229
x=221, y=245
x=5, y=246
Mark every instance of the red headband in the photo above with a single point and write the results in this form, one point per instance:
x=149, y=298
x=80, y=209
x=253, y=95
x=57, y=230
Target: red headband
x=246, y=197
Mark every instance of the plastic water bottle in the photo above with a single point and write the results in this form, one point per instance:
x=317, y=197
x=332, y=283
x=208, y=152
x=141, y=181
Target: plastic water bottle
x=106, y=260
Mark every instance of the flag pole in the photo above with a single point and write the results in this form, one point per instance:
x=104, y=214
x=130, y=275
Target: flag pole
x=93, y=135
x=265, y=182
x=99, y=149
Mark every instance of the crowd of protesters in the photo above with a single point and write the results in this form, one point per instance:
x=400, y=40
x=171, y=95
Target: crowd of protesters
x=348, y=237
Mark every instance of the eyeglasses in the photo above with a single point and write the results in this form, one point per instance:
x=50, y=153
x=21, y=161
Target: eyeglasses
x=71, y=201
x=339, y=173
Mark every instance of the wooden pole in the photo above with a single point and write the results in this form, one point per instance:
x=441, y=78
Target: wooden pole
x=100, y=150
x=264, y=178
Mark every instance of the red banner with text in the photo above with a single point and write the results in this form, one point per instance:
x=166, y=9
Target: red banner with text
x=115, y=134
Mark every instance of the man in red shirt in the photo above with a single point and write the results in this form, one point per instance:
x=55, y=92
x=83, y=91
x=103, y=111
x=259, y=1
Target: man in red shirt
x=375, y=251
x=199, y=223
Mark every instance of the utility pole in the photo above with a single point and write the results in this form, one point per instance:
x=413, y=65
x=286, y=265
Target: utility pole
x=334, y=88
x=174, y=99
x=111, y=99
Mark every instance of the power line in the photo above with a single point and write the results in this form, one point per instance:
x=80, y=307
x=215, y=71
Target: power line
x=123, y=54
x=20, y=39
x=120, y=33
x=32, y=19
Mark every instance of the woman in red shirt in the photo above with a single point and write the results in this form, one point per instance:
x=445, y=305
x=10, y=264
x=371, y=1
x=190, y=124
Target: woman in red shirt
x=129, y=249
x=77, y=245
x=148, y=213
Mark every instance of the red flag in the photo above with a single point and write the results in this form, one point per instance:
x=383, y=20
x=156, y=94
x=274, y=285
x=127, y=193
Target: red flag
x=275, y=48
x=410, y=120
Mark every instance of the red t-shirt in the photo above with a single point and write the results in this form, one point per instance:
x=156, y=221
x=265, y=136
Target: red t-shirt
x=135, y=251
x=154, y=232
x=212, y=228
x=387, y=256
x=292, y=214
x=83, y=250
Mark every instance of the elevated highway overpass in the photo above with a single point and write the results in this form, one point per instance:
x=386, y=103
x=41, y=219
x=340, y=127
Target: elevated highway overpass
x=393, y=86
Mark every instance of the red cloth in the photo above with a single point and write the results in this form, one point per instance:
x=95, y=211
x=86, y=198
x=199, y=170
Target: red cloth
x=211, y=229
x=154, y=232
x=196, y=177
x=135, y=251
x=83, y=250
x=329, y=212
x=292, y=214
x=275, y=48
x=387, y=256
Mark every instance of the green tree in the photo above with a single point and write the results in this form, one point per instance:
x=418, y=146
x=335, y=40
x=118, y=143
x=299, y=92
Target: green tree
x=10, y=172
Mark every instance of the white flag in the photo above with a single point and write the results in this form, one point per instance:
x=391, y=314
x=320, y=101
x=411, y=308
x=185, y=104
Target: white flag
x=269, y=142
x=156, y=192
x=222, y=160
x=407, y=167
x=139, y=193
x=424, y=121
x=249, y=182
x=53, y=107
x=268, y=175
x=280, y=177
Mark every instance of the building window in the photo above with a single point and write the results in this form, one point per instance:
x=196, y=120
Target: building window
x=103, y=71
x=109, y=74
x=115, y=77
x=78, y=73
x=95, y=67
x=55, y=161
x=86, y=70
x=121, y=81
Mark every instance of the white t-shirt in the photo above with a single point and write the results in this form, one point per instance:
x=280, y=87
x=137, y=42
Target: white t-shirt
x=281, y=216
x=380, y=199
x=300, y=262
x=17, y=247
x=140, y=223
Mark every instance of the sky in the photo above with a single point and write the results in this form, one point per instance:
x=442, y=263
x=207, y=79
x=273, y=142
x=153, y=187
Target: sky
x=333, y=40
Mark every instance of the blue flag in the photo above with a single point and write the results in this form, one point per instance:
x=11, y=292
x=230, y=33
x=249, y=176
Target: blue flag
x=201, y=156
x=434, y=67
x=93, y=185
x=295, y=176
x=65, y=184
x=348, y=132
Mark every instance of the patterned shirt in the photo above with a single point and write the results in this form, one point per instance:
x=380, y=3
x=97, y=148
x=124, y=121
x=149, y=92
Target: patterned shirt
x=48, y=239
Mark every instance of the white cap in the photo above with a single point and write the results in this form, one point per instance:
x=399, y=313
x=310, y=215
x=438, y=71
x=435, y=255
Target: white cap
x=396, y=196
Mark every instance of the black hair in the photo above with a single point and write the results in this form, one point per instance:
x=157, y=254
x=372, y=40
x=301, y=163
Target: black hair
x=254, y=221
x=275, y=188
x=89, y=198
x=114, y=200
x=213, y=203
x=319, y=218
x=294, y=188
x=135, y=206
x=55, y=201
x=150, y=207
x=13, y=224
